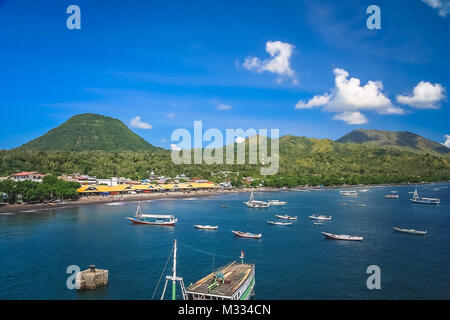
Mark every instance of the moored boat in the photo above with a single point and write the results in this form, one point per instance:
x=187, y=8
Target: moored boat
x=152, y=219
x=342, y=237
x=248, y=235
x=278, y=223
x=319, y=217
x=412, y=231
x=422, y=200
x=286, y=217
x=277, y=202
x=252, y=203
x=348, y=193
x=205, y=227
x=391, y=196
x=318, y=223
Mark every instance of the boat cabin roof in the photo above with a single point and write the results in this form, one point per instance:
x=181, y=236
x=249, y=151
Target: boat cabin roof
x=234, y=275
x=158, y=216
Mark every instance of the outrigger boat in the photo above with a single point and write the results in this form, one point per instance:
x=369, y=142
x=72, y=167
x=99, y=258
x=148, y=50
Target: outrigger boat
x=348, y=193
x=252, y=203
x=342, y=237
x=152, y=219
x=417, y=199
x=285, y=217
x=277, y=223
x=247, y=234
x=412, y=231
x=205, y=227
x=319, y=217
x=277, y=202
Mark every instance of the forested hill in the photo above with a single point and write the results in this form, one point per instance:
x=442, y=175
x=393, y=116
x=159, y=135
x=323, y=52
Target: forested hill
x=395, y=139
x=89, y=132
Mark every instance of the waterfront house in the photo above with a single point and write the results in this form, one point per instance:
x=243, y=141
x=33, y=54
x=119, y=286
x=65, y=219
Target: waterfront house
x=28, y=176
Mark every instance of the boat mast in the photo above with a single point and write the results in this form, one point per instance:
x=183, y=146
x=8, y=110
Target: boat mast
x=174, y=269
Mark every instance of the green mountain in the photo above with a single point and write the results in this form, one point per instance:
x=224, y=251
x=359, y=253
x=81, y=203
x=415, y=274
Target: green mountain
x=395, y=139
x=89, y=132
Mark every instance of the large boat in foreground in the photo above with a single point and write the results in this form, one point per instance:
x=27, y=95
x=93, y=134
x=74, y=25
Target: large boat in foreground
x=412, y=231
x=342, y=237
x=152, y=219
x=417, y=199
x=235, y=281
x=319, y=217
x=252, y=203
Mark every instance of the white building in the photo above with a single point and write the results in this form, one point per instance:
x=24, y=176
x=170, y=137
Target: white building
x=28, y=176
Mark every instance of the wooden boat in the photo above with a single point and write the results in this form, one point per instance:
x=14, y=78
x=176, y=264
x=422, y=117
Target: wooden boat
x=348, y=193
x=205, y=227
x=247, y=234
x=342, y=237
x=234, y=281
x=417, y=199
x=279, y=223
x=319, y=217
x=252, y=203
x=152, y=219
x=286, y=217
x=277, y=202
x=391, y=196
x=412, y=231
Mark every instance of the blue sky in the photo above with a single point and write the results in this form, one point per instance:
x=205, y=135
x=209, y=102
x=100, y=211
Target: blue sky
x=173, y=62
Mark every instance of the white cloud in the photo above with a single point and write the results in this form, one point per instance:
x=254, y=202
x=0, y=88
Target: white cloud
x=351, y=117
x=425, y=96
x=316, y=101
x=443, y=6
x=279, y=61
x=137, y=123
x=171, y=114
x=174, y=147
x=349, y=98
x=223, y=107
x=239, y=139
x=447, y=141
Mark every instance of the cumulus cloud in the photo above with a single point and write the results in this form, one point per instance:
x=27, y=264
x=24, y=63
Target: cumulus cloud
x=174, y=147
x=349, y=98
x=239, y=139
x=425, y=96
x=447, y=141
x=443, y=6
x=139, y=124
x=316, y=101
x=223, y=107
x=279, y=61
x=351, y=117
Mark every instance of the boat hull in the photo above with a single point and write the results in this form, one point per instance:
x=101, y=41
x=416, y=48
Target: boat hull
x=168, y=224
x=206, y=227
x=247, y=236
x=425, y=202
x=341, y=237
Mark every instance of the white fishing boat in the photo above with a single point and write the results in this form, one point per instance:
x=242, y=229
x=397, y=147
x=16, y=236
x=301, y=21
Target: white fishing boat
x=363, y=190
x=152, y=219
x=422, y=200
x=412, y=231
x=342, y=237
x=252, y=203
x=205, y=227
x=320, y=217
x=248, y=235
x=348, y=193
x=277, y=223
x=277, y=202
x=286, y=217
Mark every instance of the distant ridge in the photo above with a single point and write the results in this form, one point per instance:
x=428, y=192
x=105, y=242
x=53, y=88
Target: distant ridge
x=395, y=139
x=89, y=132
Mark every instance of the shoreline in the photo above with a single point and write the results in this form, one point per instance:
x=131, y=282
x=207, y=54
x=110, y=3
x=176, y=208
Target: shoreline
x=96, y=200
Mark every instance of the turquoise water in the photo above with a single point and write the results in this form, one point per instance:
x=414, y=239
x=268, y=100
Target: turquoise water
x=293, y=262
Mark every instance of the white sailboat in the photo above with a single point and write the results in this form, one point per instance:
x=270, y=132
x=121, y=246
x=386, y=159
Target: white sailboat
x=252, y=203
x=422, y=200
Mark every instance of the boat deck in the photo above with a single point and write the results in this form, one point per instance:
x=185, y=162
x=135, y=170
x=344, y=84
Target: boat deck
x=235, y=275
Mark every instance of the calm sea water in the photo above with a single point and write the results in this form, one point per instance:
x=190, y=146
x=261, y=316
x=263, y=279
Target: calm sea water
x=294, y=262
